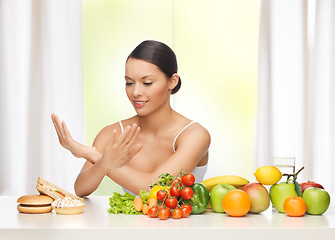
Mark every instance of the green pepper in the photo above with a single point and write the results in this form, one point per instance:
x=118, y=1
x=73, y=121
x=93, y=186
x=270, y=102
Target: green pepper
x=201, y=194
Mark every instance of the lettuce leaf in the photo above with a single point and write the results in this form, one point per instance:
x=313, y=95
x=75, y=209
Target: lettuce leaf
x=144, y=195
x=122, y=203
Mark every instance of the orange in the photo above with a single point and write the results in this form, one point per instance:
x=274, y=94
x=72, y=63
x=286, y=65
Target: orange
x=295, y=206
x=236, y=203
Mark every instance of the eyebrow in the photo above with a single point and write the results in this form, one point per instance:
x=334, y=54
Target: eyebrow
x=144, y=77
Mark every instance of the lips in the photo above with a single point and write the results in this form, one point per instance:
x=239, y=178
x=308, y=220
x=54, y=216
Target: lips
x=139, y=103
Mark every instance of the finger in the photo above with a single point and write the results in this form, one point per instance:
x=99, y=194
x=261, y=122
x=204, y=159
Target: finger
x=130, y=134
x=123, y=135
x=135, y=150
x=112, y=138
x=134, y=138
x=54, y=121
x=59, y=125
x=57, y=129
x=66, y=131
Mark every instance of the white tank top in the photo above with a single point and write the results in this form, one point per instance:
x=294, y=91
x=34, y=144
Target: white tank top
x=199, y=171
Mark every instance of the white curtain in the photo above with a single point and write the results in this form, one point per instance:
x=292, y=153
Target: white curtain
x=40, y=73
x=296, y=116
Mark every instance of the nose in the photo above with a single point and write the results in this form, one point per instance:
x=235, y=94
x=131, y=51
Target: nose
x=137, y=90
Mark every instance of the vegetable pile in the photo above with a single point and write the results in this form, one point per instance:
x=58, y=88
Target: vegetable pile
x=175, y=196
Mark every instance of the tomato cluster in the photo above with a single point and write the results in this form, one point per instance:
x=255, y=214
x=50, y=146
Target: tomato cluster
x=173, y=201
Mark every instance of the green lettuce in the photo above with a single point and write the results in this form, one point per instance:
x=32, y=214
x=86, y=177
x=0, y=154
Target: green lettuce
x=122, y=203
x=144, y=195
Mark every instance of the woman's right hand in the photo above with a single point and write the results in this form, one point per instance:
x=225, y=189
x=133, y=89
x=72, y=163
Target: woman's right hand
x=77, y=149
x=121, y=149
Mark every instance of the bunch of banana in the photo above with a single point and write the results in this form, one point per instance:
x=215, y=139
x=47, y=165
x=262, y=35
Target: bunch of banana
x=236, y=181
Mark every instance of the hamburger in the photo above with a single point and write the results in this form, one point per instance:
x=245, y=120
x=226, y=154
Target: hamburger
x=34, y=204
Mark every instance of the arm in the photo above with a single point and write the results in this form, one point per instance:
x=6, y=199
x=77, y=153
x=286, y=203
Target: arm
x=193, y=146
x=118, y=151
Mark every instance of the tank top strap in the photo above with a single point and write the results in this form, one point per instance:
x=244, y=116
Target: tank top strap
x=175, y=139
x=121, y=126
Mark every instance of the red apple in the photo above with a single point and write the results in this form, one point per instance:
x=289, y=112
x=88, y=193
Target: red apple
x=309, y=184
x=259, y=197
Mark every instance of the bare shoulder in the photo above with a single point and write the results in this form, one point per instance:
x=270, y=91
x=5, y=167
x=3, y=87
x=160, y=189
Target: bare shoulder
x=195, y=133
x=103, y=136
x=101, y=140
x=196, y=129
x=108, y=129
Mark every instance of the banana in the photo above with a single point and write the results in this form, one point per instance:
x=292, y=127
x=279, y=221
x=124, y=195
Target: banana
x=236, y=181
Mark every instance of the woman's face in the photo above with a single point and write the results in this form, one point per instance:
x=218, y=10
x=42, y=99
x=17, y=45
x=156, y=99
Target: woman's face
x=147, y=87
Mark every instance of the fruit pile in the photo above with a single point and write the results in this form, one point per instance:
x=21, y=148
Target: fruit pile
x=179, y=196
x=237, y=197
x=295, y=199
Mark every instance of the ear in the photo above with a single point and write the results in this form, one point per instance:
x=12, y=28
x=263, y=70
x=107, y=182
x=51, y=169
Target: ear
x=173, y=81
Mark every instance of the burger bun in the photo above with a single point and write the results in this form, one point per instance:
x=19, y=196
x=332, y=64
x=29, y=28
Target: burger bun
x=34, y=204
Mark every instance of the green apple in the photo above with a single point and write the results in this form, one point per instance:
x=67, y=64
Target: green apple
x=259, y=197
x=317, y=200
x=217, y=194
x=279, y=192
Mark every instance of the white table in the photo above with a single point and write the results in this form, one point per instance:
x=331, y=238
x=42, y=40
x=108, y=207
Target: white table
x=95, y=222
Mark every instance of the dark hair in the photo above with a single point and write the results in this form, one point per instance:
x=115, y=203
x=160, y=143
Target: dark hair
x=160, y=55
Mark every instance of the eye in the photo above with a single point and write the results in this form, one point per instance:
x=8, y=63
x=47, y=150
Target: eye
x=129, y=83
x=147, y=83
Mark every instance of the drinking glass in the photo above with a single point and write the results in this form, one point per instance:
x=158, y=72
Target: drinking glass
x=285, y=165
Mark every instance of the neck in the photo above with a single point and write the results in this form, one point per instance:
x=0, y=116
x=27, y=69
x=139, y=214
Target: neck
x=157, y=121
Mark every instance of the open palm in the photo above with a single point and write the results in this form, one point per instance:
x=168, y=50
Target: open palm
x=65, y=139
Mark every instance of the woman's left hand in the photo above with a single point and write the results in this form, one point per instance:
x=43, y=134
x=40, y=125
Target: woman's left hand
x=120, y=150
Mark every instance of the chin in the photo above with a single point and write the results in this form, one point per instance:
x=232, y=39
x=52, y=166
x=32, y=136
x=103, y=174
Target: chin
x=141, y=113
x=146, y=111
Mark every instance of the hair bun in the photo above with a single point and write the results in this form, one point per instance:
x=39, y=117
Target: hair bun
x=177, y=87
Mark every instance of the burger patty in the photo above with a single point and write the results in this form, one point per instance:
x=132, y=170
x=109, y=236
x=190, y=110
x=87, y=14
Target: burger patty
x=32, y=205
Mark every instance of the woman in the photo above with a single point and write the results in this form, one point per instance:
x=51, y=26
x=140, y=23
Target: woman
x=135, y=151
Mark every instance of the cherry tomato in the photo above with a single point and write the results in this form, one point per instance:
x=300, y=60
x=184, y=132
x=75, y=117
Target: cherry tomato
x=161, y=194
x=152, y=212
x=187, y=193
x=164, y=213
x=188, y=179
x=188, y=206
x=171, y=202
x=186, y=210
x=174, y=191
x=155, y=189
x=176, y=182
x=176, y=213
